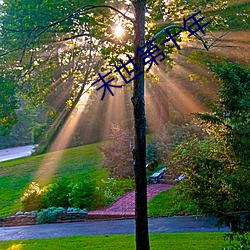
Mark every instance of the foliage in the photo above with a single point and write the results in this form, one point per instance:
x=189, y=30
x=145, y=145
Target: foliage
x=33, y=197
x=216, y=168
x=81, y=194
x=61, y=193
x=236, y=17
x=118, y=156
x=108, y=190
x=22, y=132
x=166, y=141
x=8, y=105
x=57, y=193
x=48, y=215
x=38, y=131
x=151, y=154
x=103, y=193
x=93, y=192
x=205, y=175
x=50, y=50
x=243, y=242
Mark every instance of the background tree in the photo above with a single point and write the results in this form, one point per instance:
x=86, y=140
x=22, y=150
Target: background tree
x=8, y=105
x=118, y=155
x=216, y=168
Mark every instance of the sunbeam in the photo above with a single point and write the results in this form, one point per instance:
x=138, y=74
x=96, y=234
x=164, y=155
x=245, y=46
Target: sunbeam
x=51, y=161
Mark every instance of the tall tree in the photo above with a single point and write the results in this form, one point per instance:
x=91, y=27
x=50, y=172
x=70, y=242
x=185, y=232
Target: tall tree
x=217, y=167
x=8, y=104
x=139, y=151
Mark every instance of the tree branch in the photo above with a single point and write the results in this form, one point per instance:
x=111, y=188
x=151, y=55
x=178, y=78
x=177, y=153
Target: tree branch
x=200, y=38
x=74, y=13
x=42, y=29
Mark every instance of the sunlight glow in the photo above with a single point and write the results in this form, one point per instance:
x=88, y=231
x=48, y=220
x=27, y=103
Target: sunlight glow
x=52, y=159
x=119, y=31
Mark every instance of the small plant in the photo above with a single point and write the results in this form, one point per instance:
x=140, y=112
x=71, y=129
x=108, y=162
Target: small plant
x=48, y=215
x=33, y=197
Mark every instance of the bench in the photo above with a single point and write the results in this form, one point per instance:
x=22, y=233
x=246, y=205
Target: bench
x=182, y=176
x=155, y=177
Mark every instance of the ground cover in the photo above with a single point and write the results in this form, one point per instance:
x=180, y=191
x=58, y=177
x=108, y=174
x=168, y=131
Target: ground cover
x=170, y=241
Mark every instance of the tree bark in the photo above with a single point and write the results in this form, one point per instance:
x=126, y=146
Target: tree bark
x=139, y=151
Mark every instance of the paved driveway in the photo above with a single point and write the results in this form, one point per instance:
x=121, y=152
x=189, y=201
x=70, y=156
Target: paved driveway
x=14, y=153
x=156, y=225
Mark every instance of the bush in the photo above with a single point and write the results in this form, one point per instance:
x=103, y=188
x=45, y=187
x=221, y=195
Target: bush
x=103, y=194
x=57, y=193
x=48, y=215
x=123, y=185
x=243, y=242
x=33, y=198
x=81, y=194
x=109, y=189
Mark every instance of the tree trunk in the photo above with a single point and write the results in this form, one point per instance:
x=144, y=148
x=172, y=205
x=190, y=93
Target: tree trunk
x=139, y=151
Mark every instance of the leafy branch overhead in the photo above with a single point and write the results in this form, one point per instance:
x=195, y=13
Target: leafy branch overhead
x=36, y=31
x=54, y=43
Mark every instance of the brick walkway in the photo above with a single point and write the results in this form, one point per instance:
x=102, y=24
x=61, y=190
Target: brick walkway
x=124, y=207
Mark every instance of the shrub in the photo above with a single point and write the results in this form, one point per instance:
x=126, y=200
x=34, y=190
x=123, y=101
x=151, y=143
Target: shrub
x=109, y=189
x=56, y=194
x=243, y=242
x=81, y=194
x=103, y=195
x=123, y=185
x=48, y=215
x=33, y=197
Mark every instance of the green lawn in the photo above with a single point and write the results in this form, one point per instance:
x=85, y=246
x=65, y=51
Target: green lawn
x=169, y=202
x=16, y=175
x=170, y=241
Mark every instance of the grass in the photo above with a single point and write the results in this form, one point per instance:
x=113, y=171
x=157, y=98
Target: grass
x=169, y=203
x=16, y=175
x=170, y=241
